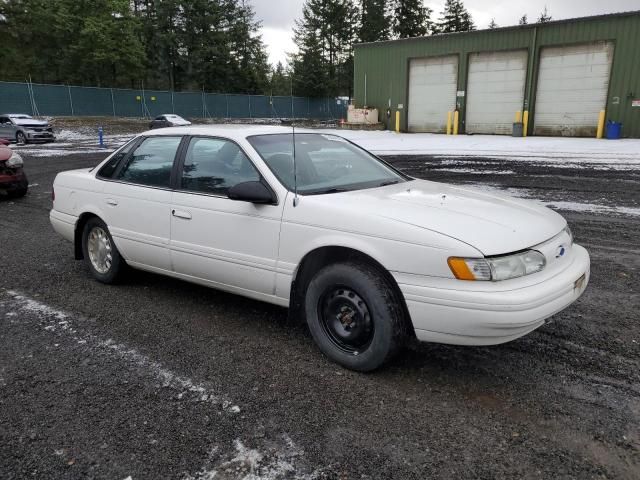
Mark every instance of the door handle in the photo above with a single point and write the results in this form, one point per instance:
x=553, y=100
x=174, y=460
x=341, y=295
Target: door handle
x=112, y=202
x=181, y=214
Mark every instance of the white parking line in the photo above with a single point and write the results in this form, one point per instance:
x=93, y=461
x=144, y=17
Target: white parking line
x=62, y=323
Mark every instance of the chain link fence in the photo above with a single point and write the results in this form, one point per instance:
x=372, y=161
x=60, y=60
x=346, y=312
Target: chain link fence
x=62, y=100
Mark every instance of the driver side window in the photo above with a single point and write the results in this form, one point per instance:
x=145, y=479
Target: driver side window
x=214, y=165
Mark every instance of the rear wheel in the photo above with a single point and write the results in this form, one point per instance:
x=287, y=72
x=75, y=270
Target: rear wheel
x=100, y=253
x=21, y=138
x=354, y=316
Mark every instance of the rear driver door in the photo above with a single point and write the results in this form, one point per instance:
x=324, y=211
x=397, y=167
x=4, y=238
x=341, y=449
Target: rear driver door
x=137, y=202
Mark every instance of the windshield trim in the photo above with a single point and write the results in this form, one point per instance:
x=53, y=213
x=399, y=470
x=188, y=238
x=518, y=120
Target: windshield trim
x=343, y=188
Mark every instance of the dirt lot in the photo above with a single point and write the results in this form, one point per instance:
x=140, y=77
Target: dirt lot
x=158, y=378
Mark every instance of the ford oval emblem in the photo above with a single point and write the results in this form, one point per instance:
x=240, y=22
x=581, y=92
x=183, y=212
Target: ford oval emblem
x=561, y=251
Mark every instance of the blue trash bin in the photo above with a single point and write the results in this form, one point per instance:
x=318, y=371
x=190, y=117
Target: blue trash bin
x=614, y=130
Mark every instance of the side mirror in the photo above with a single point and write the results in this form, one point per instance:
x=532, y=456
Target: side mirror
x=254, y=192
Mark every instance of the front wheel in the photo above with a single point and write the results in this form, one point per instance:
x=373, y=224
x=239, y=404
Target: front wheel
x=21, y=138
x=354, y=316
x=100, y=253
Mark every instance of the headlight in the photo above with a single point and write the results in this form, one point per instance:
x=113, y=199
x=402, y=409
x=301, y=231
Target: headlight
x=15, y=161
x=568, y=231
x=497, y=268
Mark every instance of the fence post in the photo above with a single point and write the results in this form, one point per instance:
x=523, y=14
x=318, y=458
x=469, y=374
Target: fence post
x=204, y=105
x=113, y=103
x=70, y=100
x=250, y=114
x=226, y=96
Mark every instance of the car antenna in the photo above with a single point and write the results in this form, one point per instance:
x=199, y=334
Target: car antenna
x=291, y=121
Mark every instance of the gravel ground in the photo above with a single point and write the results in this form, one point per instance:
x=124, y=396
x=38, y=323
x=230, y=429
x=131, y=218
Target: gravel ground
x=158, y=378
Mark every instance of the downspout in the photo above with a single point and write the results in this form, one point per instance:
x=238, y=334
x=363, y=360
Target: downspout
x=532, y=56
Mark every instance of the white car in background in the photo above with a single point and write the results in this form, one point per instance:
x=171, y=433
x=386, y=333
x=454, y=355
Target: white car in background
x=367, y=255
x=168, y=120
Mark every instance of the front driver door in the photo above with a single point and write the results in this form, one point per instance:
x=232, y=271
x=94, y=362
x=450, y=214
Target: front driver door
x=137, y=202
x=226, y=242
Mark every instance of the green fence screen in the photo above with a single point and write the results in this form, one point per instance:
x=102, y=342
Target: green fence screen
x=62, y=100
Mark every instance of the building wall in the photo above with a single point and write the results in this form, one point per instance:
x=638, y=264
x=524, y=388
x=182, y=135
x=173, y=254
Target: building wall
x=385, y=65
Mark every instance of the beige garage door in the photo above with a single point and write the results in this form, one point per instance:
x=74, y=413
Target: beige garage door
x=572, y=89
x=433, y=85
x=495, y=91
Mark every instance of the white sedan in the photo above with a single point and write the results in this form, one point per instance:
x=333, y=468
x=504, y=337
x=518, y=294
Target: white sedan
x=368, y=256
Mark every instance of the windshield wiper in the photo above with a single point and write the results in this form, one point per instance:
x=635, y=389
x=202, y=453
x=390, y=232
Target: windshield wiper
x=392, y=182
x=329, y=190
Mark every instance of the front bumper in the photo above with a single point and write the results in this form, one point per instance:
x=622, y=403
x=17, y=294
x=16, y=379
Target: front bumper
x=41, y=136
x=9, y=183
x=485, y=313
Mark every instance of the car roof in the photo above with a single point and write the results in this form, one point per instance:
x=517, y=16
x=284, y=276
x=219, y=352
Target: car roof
x=234, y=132
x=14, y=115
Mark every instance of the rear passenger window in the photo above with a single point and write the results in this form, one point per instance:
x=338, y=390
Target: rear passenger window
x=213, y=165
x=152, y=162
x=110, y=167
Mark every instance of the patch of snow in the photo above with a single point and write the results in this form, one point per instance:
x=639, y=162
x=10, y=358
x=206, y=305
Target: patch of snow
x=54, y=152
x=581, y=152
x=475, y=171
x=559, y=204
x=272, y=462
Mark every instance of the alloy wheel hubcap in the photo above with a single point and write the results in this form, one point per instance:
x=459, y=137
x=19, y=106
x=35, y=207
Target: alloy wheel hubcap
x=346, y=320
x=100, y=250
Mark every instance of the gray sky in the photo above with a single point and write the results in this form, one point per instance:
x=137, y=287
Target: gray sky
x=278, y=16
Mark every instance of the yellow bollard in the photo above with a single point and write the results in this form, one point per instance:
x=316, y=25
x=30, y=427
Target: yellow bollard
x=525, y=123
x=397, y=122
x=601, y=120
x=456, y=120
x=449, y=122
x=518, y=116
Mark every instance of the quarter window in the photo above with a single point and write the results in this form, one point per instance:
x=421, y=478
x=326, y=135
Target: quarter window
x=214, y=165
x=152, y=162
x=110, y=167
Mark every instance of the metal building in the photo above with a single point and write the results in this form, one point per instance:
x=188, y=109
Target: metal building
x=558, y=77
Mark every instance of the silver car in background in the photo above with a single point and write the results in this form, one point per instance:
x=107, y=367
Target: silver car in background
x=22, y=129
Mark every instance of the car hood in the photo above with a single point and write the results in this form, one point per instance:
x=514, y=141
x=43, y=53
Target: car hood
x=179, y=122
x=492, y=223
x=31, y=123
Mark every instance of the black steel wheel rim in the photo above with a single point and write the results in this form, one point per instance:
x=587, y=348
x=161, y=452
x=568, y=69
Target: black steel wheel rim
x=345, y=319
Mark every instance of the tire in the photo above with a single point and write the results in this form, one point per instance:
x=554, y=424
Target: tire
x=21, y=191
x=100, y=253
x=21, y=138
x=354, y=316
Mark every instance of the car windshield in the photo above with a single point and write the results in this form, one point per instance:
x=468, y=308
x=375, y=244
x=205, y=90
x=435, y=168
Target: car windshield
x=324, y=163
x=21, y=117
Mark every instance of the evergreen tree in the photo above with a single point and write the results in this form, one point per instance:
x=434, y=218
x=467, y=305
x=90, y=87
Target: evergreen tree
x=325, y=36
x=375, y=22
x=545, y=16
x=493, y=24
x=175, y=44
x=455, y=18
x=411, y=19
x=280, y=81
x=250, y=61
x=310, y=72
x=524, y=20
